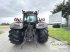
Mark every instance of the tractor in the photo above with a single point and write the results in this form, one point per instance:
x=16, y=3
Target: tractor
x=29, y=29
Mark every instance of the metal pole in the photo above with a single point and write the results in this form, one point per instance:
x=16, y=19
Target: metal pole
x=69, y=0
x=63, y=2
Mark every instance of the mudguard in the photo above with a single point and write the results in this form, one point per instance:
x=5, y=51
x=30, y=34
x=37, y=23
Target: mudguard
x=16, y=25
x=41, y=25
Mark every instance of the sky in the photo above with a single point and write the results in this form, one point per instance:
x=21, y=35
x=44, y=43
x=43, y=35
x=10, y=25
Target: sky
x=13, y=8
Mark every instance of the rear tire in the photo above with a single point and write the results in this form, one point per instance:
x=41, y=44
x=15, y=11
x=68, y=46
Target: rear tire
x=15, y=36
x=42, y=36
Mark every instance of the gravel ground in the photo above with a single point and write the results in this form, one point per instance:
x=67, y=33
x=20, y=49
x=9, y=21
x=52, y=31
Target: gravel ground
x=52, y=45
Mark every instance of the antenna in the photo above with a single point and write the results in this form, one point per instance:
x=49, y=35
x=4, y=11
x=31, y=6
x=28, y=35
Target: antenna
x=38, y=11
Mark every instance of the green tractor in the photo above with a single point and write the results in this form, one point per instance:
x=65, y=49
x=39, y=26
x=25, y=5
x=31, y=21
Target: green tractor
x=29, y=29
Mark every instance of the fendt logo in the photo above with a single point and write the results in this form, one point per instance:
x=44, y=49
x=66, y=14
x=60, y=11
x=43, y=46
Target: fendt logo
x=42, y=19
x=19, y=19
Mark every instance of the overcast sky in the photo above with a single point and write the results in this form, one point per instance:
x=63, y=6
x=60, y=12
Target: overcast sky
x=11, y=8
x=14, y=7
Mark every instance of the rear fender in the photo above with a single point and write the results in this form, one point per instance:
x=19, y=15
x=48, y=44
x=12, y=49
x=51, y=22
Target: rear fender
x=41, y=25
x=16, y=25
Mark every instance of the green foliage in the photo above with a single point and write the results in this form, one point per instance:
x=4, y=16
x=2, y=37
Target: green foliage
x=56, y=26
x=5, y=24
x=65, y=8
x=58, y=8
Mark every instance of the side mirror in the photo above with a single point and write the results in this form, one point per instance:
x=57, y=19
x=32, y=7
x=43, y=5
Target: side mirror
x=37, y=12
x=23, y=12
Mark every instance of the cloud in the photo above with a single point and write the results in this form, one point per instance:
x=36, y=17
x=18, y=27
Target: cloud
x=13, y=7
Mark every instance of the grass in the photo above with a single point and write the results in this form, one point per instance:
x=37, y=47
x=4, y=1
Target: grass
x=2, y=27
x=1, y=32
x=60, y=33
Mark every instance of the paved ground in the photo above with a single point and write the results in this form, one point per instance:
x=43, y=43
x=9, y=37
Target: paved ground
x=51, y=45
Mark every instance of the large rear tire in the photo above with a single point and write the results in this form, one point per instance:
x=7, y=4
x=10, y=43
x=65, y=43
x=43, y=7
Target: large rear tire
x=15, y=36
x=42, y=36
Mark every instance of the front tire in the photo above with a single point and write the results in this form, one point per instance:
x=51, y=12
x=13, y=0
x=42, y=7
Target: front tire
x=15, y=36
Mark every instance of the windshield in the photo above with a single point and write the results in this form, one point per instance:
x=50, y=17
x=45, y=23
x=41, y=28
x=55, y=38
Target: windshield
x=30, y=18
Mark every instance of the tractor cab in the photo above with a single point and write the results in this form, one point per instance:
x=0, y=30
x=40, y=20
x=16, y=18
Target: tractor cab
x=30, y=17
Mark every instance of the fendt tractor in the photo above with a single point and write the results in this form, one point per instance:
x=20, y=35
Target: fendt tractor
x=29, y=29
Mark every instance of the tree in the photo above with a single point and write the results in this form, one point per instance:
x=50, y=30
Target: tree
x=5, y=24
x=65, y=8
x=58, y=8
